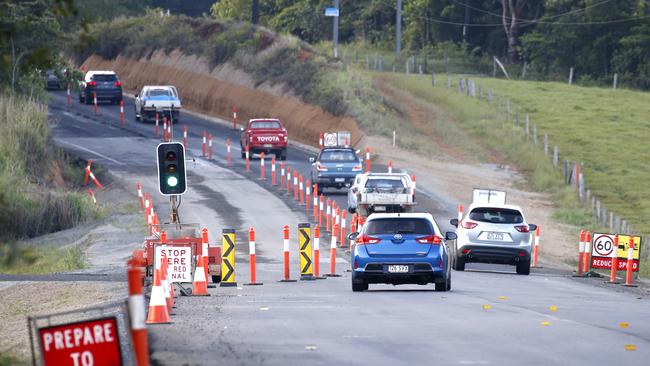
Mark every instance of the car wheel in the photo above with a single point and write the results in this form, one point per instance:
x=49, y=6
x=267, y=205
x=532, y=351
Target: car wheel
x=352, y=210
x=283, y=155
x=523, y=267
x=458, y=264
x=444, y=285
x=216, y=279
x=359, y=286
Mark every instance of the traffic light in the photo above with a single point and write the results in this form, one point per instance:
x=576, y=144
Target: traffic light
x=172, y=177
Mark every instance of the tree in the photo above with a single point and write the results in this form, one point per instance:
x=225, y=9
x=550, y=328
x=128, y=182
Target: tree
x=511, y=11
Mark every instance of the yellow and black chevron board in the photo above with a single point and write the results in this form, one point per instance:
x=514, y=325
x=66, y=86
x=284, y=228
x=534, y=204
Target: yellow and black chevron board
x=228, y=258
x=306, y=262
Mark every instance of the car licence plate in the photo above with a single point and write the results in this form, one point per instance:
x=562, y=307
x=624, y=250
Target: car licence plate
x=396, y=268
x=495, y=236
x=268, y=145
x=380, y=208
x=339, y=180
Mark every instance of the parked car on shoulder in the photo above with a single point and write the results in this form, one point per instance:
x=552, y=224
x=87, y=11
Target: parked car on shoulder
x=401, y=249
x=335, y=167
x=52, y=80
x=161, y=100
x=266, y=135
x=104, y=84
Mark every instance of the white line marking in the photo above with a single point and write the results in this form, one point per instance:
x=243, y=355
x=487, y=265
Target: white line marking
x=90, y=151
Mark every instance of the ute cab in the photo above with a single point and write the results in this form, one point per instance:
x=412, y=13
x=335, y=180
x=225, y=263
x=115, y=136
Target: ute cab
x=264, y=135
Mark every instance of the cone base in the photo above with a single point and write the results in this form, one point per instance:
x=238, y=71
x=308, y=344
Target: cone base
x=253, y=284
x=288, y=281
x=228, y=284
x=307, y=278
x=151, y=322
x=612, y=283
x=332, y=275
x=626, y=285
x=212, y=286
x=320, y=278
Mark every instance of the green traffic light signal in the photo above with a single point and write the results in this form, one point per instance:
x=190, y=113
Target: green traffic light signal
x=172, y=177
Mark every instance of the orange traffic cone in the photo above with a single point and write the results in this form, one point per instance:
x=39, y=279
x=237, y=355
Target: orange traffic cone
x=200, y=284
x=157, y=305
x=166, y=285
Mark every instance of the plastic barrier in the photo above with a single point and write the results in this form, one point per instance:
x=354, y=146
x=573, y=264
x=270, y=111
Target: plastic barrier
x=262, y=173
x=367, y=160
x=282, y=175
x=210, y=146
x=200, y=282
x=157, y=125
x=333, y=259
x=328, y=215
x=614, y=269
x=286, y=248
x=204, y=145
x=317, y=252
x=344, y=224
x=390, y=166
x=587, y=259
x=536, y=248
x=95, y=105
x=165, y=138
x=138, y=186
x=228, y=143
x=122, y=113
x=185, y=136
x=273, y=177
x=308, y=196
x=137, y=316
x=315, y=201
x=581, y=254
x=251, y=253
x=630, y=264
x=288, y=180
x=320, y=210
x=301, y=189
x=248, y=159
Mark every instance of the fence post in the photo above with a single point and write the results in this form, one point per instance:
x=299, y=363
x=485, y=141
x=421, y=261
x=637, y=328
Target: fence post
x=615, y=81
x=546, y=144
x=624, y=226
x=566, y=171
x=499, y=101
x=527, y=124
x=581, y=187
x=508, y=106
x=490, y=96
x=467, y=87
x=617, y=225
x=604, y=217
x=598, y=211
x=448, y=83
x=555, y=156
x=535, y=134
x=433, y=79
x=593, y=205
x=611, y=221
x=571, y=76
x=480, y=92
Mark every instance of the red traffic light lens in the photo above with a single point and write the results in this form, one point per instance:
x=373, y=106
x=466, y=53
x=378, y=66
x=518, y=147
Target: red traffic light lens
x=171, y=155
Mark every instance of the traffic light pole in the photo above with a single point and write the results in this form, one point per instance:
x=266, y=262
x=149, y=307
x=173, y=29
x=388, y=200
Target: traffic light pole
x=175, y=219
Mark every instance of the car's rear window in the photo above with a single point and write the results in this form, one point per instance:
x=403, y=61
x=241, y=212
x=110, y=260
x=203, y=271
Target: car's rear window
x=265, y=124
x=398, y=225
x=384, y=184
x=160, y=92
x=338, y=155
x=496, y=215
x=104, y=77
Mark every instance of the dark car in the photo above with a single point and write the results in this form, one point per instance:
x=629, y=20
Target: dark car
x=104, y=84
x=335, y=167
x=52, y=80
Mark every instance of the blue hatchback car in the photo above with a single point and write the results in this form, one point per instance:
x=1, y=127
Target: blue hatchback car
x=401, y=248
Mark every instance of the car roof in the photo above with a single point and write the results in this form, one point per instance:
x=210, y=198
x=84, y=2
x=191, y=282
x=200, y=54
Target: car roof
x=417, y=215
x=158, y=86
x=386, y=175
x=337, y=148
x=263, y=119
x=96, y=72
x=510, y=207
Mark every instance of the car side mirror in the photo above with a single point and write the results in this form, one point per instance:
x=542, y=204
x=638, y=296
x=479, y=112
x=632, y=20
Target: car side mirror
x=312, y=159
x=353, y=236
x=450, y=235
x=532, y=227
x=454, y=222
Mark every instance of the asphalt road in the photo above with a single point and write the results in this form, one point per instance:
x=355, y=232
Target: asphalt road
x=491, y=316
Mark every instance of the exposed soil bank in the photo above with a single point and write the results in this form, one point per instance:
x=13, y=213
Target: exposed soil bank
x=215, y=92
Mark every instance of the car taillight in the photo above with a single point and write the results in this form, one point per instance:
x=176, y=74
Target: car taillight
x=522, y=228
x=286, y=138
x=92, y=83
x=468, y=225
x=431, y=239
x=118, y=83
x=356, y=168
x=251, y=138
x=366, y=239
x=320, y=167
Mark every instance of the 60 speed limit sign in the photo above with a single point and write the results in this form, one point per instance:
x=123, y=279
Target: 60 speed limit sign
x=603, y=245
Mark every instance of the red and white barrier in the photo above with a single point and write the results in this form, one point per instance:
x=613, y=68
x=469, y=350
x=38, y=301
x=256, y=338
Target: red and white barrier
x=234, y=117
x=295, y=186
x=413, y=178
x=461, y=210
x=630, y=264
x=289, y=181
x=122, y=113
x=614, y=255
x=321, y=203
x=251, y=253
x=69, y=96
x=95, y=105
x=390, y=166
x=581, y=253
x=200, y=281
x=353, y=228
x=587, y=260
x=320, y=140
x=328, y=215
x=164, y=128
x=170, y=137
x=302, y=189
x=308, y=196
x=273, y=175
x=344, y=224
x=210, y=146
x=205, y=243
x=137, y=316
x=286, y=248
x=315, y=201
x=185, y=136
x=204, y=145
x=228, y=143
x=367, y=160
x=536, y=247
x=157, y=125
x=87, y=172
x=95, y=181
x=248, y=159
x=138, y=186
x=333, y=258
x=282, y=175
x=262, y=172
x=337, y=222
x=316, y=251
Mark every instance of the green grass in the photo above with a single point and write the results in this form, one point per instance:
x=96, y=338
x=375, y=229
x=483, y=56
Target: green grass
x=16, y=259
x=9, y=360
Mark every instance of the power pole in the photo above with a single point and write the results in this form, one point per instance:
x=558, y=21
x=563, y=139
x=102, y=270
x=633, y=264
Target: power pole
x=398, y=29
x=335, y=31
x=255, y=13
x=465, y=22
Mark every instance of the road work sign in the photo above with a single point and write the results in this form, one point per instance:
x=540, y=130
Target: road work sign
x=86, y=343
x=306, y=263
x=180, y=261
x=603, y=250
x=228, y=258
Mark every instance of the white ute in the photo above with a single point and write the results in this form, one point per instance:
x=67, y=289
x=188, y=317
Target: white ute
x=157, y=99
x=381, y=192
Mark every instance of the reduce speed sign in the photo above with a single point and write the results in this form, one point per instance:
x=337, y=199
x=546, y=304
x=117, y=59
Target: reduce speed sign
x=603, y=245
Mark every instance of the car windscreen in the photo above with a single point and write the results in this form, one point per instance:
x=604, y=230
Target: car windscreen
x=265, y=125
x=384, y=185
x=160, y=93
x=496, y=215
x=104, y=77
x=338, y=156
x=398, y=225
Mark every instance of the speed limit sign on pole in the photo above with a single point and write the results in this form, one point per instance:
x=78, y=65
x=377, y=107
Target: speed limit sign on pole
x=603, y=250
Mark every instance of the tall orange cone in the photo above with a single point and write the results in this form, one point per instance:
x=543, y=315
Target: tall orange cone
x=157, y=304
x=200, y=283
x=136, y=316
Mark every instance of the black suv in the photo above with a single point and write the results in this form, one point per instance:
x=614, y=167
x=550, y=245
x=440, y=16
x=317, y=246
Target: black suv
x=104, y=84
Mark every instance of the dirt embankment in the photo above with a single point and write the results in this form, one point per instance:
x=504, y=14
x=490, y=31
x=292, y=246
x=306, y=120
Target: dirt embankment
x=216, y=91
